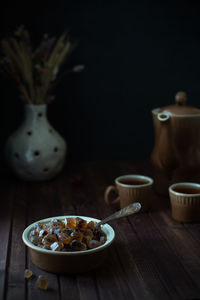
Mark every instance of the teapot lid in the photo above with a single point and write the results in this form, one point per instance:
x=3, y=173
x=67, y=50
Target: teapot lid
x=180, y=107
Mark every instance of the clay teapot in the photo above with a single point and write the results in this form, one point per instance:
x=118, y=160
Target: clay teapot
x=176, y=153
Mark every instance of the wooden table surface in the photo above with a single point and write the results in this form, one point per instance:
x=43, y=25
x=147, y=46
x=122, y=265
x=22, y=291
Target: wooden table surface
x=153, y=257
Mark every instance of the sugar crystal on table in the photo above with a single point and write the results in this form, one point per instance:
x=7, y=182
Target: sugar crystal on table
x=42, y=282
x=28, y=273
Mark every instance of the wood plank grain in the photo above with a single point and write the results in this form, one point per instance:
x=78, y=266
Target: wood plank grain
x=161, y=273
x=107, y=276
x=69, y=287
x=141, y=275
x=189, y=285
x=87, y=286
x=68, y=283
x=16, y=287
x=85, y=205
x=151, y=276
x=68, y=188
x=153, y=257
x=176, y=279
x=178, y=226
x=110, y=279
x=184, y=247
x=7, y=195
x=194, y=229
x=71, y=196
x=43, y=203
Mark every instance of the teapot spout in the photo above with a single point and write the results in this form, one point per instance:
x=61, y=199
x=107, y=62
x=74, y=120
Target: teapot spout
x=163, y=155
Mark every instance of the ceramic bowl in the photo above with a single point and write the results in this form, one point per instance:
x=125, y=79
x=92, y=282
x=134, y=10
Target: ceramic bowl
x=185, y=201
x=68, y=262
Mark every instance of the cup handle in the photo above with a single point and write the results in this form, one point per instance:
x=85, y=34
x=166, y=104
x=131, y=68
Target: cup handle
x=107, y=194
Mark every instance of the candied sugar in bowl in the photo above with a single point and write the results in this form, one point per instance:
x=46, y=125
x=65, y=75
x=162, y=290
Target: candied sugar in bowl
x=185, y=201
x=64, y=262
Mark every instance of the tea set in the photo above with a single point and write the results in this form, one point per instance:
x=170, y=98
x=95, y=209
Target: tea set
x=176, y=153
x=176, y=164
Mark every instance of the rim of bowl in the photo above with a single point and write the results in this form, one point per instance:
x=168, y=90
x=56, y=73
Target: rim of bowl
x=106, y=228
x=134, y=176
x=185, y=184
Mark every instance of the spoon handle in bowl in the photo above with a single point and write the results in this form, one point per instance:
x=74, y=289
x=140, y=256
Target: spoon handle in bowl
x=124, y=212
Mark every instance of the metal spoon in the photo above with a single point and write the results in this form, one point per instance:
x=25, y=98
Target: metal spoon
x=124, y=212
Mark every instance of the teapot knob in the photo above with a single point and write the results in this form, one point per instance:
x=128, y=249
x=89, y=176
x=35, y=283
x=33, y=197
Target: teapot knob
x=180, y=98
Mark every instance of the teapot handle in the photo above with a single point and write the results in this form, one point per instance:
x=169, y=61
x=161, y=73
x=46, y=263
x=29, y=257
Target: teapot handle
x=163, y=117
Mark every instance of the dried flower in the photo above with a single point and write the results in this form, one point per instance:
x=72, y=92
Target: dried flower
x=35, y=72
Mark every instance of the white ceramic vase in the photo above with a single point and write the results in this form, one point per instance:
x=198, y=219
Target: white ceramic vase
x=36, y=151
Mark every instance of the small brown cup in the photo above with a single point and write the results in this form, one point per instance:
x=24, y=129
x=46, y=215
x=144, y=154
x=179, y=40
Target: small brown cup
x=185, y=201
x=130, y=189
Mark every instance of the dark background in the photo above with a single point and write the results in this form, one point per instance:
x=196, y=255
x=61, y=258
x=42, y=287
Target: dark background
x=137, y=54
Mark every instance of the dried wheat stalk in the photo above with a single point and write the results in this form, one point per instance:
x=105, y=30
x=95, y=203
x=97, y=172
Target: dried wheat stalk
x=35, y=72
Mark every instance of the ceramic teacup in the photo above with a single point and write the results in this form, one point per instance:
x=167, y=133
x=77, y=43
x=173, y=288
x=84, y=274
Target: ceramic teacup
x=130, y=189
x=185, y=201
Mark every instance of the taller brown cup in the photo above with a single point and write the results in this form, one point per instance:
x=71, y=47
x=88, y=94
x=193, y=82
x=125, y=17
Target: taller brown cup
x=130, y=189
